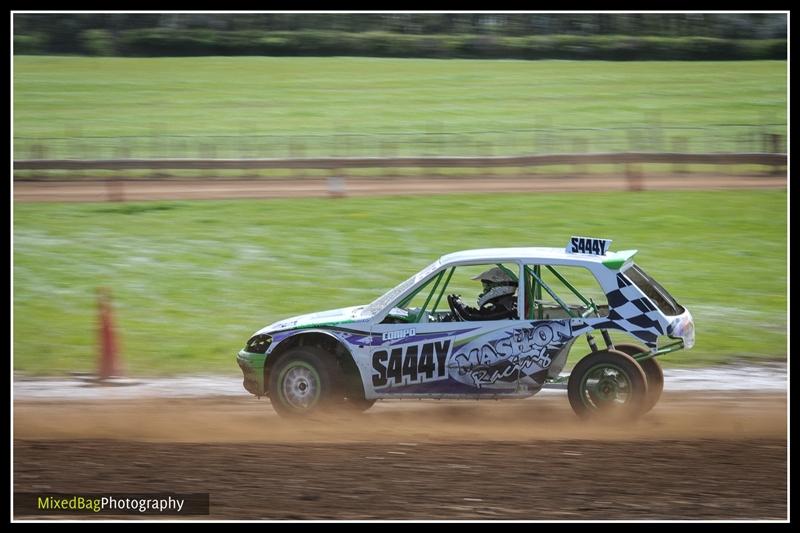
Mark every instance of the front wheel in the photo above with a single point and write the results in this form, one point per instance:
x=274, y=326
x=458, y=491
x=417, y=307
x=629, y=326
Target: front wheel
x=302, y=382
x=608, y=384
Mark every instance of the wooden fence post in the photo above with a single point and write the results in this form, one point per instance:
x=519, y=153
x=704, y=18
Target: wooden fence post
x=633, y=173
x=776, y=142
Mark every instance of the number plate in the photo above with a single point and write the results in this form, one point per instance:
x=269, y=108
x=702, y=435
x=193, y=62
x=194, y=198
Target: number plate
x=588, y=245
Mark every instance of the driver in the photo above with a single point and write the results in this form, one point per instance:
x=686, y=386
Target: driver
x=498, y=301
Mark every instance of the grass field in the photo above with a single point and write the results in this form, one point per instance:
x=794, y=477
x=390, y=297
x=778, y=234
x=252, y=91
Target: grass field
x=181, y=101
x=192, y=280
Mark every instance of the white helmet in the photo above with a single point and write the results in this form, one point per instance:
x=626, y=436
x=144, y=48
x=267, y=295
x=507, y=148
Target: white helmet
x=496, y=282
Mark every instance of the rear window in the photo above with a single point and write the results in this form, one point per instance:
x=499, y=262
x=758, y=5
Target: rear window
x=658, y=294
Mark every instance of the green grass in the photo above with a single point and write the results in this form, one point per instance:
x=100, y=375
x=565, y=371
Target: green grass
x=192, y=280
x=196, y=98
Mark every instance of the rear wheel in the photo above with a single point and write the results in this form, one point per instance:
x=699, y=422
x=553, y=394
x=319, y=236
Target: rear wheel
x=652, y=372
x=302, y=382
x=608, y=384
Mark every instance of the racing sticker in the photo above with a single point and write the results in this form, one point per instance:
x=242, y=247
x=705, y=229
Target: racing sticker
x=400, y=334
x=511, y=354
x=632, y=312
x=588, y=245
x=410, y=364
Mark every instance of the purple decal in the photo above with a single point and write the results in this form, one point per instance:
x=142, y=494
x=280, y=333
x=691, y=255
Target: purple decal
x=425, y=337
x=499, y=360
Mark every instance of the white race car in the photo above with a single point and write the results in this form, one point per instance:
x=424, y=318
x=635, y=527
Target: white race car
x=421, y=340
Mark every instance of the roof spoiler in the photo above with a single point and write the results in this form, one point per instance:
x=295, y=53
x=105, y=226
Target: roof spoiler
x=616, y=260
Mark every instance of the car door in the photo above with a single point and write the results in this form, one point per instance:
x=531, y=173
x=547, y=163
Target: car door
x=558, y=303
x=420, y=350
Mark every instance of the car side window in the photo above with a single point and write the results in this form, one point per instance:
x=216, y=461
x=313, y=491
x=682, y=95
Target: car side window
x=462, y=293
x=480, y=292
x=414, y=307
x=560, y=291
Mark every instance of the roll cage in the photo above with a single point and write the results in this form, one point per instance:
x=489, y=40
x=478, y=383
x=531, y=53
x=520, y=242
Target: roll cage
x=531, y=287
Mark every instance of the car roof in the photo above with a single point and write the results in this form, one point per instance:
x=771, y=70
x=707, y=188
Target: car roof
x=533, y=254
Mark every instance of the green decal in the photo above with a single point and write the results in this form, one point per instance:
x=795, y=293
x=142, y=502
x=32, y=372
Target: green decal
x=614, y=264
x=617, y=259
x=323, y=324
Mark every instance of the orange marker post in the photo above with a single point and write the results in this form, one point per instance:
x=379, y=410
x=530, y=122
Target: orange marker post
x=107, y=363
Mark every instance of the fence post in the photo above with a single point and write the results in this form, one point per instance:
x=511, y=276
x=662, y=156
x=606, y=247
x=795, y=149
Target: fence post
x=634, y=176
x=775, y=146
x=386, y=152
x=115, y=189
x=209, y=151
x=656, y=134
x=491, y=171
x=243, y=153
x=38, y=151
x=679, y=146
x=296, y=151
x=633, y=143
x=579, y=147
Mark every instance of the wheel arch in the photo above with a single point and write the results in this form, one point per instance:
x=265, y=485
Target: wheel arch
x=333, y=347
x=646, y=342
x=644, y=339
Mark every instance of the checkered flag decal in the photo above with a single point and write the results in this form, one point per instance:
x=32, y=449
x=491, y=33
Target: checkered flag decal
x=630, y=312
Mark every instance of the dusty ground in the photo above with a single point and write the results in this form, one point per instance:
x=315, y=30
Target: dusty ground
x=695, y=456
x=208, y=188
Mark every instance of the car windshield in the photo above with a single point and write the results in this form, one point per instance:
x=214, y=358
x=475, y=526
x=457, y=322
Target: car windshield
x=658, y=294
x=380, y=304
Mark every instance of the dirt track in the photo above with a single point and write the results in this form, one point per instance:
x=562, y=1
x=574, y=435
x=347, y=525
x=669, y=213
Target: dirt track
x=695, y=456
x=191, y=189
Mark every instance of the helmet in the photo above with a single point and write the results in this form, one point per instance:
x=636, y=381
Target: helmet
x=496, y=282
x=497, y=275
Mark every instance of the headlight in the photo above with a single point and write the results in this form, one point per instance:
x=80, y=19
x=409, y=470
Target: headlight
x=258, y=343
x=683, y=327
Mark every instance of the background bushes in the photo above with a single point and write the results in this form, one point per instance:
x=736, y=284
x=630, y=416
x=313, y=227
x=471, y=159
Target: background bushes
x=153, y=42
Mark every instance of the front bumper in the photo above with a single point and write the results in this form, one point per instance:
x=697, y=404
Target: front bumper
x=252, y=365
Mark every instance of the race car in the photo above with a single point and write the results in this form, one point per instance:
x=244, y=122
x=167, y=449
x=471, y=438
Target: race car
x=422, y=339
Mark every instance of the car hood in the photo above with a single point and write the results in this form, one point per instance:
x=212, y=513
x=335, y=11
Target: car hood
x=323, y=318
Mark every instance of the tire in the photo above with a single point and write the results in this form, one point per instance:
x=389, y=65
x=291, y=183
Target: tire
x=608, y=385
x=652, y=372
x=302, y=382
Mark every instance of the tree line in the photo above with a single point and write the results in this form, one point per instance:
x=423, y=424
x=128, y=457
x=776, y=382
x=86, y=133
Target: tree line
x=471, y=35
